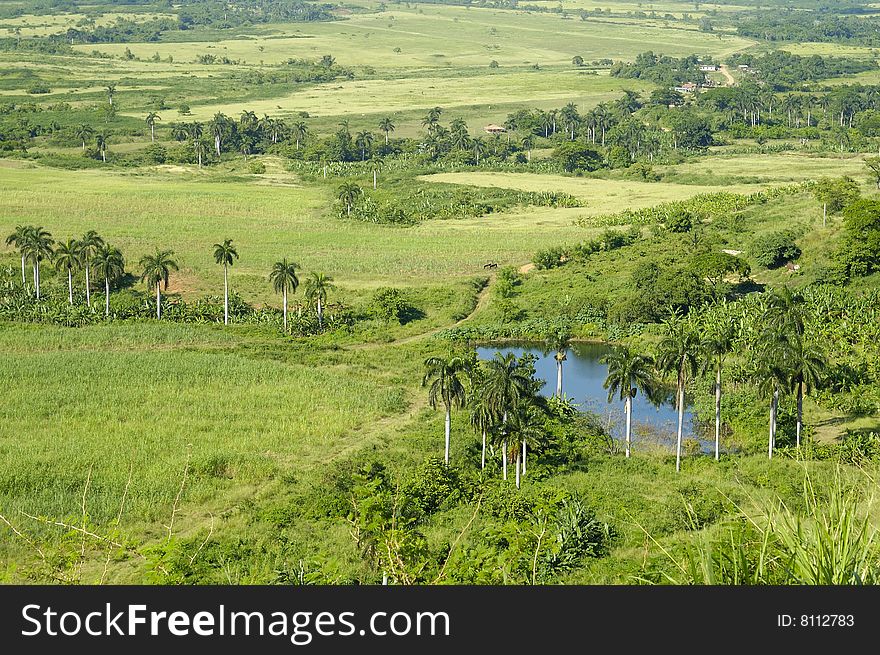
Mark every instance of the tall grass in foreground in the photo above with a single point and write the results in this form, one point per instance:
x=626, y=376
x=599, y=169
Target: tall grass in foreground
x=830, y=541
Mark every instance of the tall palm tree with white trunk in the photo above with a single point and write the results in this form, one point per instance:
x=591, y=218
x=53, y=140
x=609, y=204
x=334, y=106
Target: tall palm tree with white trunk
x=150, y=120
x=485, y=420
x=558, y=341
x=387, y=126
x=628, y=373
x=523, y=426
x=717, y=342
x=68, y=257
x=110, y=265
x=318, y=286
x=156, y=270
x=507, y=382
x=38, y=247
x=445, y=378
x=226, y=254
x=284, y=281
x=679, y=355
x=89, y=245
x=19, y=239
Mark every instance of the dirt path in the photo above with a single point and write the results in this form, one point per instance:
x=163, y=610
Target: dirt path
x=727, y=76
x=482, y=301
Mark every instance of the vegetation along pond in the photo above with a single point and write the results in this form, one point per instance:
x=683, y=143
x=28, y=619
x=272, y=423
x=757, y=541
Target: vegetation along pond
x=583, y=377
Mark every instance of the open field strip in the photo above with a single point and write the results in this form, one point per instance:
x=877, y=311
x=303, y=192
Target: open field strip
x=188, y=213
x=602, y=196
x=472, y=37
x=783, y=167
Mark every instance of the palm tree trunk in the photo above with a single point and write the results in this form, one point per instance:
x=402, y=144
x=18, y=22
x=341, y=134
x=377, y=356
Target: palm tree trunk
x=717, y=413
x=225, y=294
x=559, y=378
x=627, y=409
x=88, y=287
x=448, y=426
x=152, y=131
x=158, y=302
x=106, y=296
x=285, y=309
x=320, y=316
x=37, y=278
x=375, y=180
x=824, y=213
x=516, y=465
x=23, y=278
x=483, y=459
x=70, y=285
x=504, y=454
x=680, y=424
x=524, y=457
x=103, y=155
x=800, y=414
x=772, y=440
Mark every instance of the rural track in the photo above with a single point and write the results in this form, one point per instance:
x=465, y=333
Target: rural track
x=730, y=80
x=482, y=301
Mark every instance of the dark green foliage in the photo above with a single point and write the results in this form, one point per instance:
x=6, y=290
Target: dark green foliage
x=576, y=156
x=775, y=249
x=859, y=252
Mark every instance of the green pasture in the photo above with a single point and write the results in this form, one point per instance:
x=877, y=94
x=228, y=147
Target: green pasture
x=188, y=211
x=471, y=37
x=772, y=168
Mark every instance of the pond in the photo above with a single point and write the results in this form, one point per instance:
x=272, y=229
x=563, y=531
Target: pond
x=582, y=379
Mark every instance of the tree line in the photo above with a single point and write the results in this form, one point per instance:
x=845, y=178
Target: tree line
x=92, y=256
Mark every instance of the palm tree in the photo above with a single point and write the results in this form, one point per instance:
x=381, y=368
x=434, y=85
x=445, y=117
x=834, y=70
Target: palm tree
x=376, y=166
x=508, y=381
x=679, y=355
x=484, y=418
x=558, y=342
x=89, y=245
x=19, y=239
x=284, y=281
x=101, y=139
x=150, y=120
x=111, y=89
x=38, y=247
x=806, y=371
x=479, y=146
x=387, y=126
x=156, y=271
x=627, y=373
x=299, y=131
x=364, y=141
x=84, y=133
x=195, y=130
x=348, y=194
x=432, y=118
x=528, y=142
x=317, y=288
x=446, y=377
x=523, y=427
x=717, y=342
x=220, y=126
x=110, y=265
x=770, y=375
x=68, y=257
x=226, y=254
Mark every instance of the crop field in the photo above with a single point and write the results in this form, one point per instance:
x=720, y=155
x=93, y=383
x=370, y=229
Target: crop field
x=472, y=37
x=188, y=214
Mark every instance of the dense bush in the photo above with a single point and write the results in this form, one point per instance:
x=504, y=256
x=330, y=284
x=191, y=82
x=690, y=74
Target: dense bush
x=775, y=249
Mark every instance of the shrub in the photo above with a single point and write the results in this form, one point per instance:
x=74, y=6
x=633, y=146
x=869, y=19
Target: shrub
x=257, y=167
x=774, y=249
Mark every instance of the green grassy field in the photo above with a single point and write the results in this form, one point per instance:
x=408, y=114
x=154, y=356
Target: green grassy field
x=602, y=196
x=249, y=439
x=188, y=212
x=777, y=168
